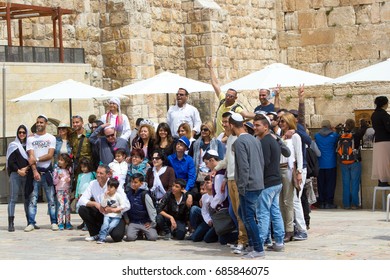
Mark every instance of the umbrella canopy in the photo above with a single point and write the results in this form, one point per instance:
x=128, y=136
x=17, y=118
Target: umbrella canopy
x=165, y=82
x=274, y=74
x=65, y=91
x=377, y=72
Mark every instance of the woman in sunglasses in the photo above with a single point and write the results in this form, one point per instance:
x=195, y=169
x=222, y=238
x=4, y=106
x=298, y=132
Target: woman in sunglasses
x=18, y=171
x=207, y=141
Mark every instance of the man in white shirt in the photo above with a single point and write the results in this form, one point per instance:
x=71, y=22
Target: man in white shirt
x=40, y=148
x=183, y=112
x=91, y=211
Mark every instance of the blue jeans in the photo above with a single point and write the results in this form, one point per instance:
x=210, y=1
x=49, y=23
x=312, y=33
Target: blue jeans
x=33, y=199
x=247, y=212
x=165, y=224
x=195, y=216
x=268, y=212
x=109, y=223
x=351, y=174
x=16, y=182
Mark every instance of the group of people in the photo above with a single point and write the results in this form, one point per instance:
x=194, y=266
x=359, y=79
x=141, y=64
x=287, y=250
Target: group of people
x=177, y=177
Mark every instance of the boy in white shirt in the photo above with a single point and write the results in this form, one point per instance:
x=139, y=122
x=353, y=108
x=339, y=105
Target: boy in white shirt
x=119, y=166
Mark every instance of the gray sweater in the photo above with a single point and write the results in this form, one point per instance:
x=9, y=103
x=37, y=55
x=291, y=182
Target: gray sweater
x=106, y=150
x=249, y=164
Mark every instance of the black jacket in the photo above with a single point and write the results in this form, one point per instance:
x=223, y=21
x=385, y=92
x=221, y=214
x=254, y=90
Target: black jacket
x=381, y=124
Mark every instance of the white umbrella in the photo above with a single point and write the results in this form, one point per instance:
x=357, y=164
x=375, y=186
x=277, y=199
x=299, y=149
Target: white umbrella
x=165, y=82
x=274, y=74
x=377, y=72
x=65, y=91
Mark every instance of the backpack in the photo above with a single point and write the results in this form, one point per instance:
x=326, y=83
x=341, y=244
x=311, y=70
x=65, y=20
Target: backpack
x=345, y=148
x=313, y=167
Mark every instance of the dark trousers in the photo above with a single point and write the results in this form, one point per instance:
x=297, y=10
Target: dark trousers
x=165, y=225
x=326, y=182
x=94, y=220
x=305, y=207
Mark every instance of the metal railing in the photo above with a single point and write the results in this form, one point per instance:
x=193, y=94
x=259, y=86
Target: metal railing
x=40, y=54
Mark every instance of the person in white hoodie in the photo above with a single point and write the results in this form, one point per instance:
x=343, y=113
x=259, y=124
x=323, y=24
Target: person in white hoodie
x=119, y=166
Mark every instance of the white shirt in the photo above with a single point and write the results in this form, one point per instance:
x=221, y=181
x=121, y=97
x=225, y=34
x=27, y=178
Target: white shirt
x=126, y=132
x=95, y=191
x=119, y=170
x=41, y=144
x=206, y=200
x=228, y=162
x=177, y=115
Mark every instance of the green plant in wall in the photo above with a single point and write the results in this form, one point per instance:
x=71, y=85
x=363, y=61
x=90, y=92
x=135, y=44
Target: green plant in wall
x=288, y=98
x=349, y=95
x=328, y=96
x=329, y=11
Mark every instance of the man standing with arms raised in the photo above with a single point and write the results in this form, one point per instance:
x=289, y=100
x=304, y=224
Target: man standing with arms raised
x=227, y=102
x=40, y=148
x=249, y=166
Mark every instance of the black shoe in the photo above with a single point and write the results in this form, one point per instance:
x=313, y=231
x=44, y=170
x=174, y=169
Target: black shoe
x=80, y=226
x=330, y=206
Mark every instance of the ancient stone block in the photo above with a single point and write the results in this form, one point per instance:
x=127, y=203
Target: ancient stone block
x=342, y=16
x=317, y=37
x=306, y=20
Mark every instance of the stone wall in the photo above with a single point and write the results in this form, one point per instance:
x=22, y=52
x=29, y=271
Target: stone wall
x=130, y=40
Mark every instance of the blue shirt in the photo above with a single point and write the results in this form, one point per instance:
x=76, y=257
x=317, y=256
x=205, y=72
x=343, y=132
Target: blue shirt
x=184, y=169
x=268, y=108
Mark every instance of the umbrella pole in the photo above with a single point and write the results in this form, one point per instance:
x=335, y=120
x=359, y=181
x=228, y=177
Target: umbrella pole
x=167, y=101
x=70, y=112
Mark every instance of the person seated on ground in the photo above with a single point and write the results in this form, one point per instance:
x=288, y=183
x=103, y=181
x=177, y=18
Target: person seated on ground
x=183, y=164
x=115, y=202
x=142, y=214
x=174, y=212
x=160, y=177
x=139, y=164
x=91, y=210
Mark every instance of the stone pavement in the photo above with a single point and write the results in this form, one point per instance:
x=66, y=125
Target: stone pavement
x=334, y=235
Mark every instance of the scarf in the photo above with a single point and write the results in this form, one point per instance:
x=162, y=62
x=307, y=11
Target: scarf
x=158, y=188
x=16, y=144
x=118, y=121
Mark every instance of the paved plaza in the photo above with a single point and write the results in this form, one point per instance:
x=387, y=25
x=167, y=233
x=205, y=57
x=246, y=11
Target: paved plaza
x=333, y=235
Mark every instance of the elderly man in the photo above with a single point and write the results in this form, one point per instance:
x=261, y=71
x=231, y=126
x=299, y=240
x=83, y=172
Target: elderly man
x=227, y=102
x=40, y=148
x=91, y=210
x=183, y=112
x=107, y=144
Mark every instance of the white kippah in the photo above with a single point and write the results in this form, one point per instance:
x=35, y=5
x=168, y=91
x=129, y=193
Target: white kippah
x=237, y=117
x=213, y=153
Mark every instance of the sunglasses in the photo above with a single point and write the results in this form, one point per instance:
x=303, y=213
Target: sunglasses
x=156, y=158
x=21, y=132
x=110, y=135
x=205, y=129
x=282, y=121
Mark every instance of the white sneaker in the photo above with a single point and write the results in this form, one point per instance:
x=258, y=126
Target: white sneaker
x=92, y=238
x=238, y=250
x=54, y=227
x=29, y=228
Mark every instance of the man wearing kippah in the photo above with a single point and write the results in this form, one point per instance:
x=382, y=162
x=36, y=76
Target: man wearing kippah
x=249, y=166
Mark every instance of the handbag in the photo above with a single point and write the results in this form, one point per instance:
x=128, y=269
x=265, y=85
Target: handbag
x=222, y=222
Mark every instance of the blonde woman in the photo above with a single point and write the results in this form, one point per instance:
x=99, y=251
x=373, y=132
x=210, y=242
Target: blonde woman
x=291, y=172
x=206, y=141
x=185, y=130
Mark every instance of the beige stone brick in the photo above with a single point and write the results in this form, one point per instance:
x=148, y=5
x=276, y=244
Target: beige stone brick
x=317, y=4
x=108, y=48
x=345, y=34
x=317, y=37
x=288, y=5
x=303, y=4
x=385, y=11
x=331, y=3
x=306, y=20
x=320, y=19
x=342, y=16
x=119, y=18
